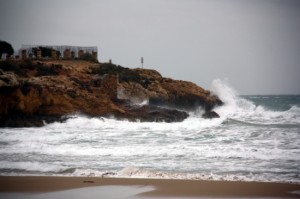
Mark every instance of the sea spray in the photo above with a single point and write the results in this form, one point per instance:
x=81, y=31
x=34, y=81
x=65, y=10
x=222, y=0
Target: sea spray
x=233, y=104
x=241, y=108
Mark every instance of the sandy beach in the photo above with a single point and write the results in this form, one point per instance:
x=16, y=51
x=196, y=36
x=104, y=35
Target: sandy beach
x=97, y=187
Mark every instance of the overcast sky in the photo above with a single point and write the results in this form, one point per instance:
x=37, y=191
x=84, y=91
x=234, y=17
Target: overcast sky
x=255, y=44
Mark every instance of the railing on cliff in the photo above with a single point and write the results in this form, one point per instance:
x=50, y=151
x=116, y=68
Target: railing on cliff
x=56, y=52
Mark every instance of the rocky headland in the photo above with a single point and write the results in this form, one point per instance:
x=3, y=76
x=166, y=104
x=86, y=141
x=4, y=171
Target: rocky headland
x=35, y=92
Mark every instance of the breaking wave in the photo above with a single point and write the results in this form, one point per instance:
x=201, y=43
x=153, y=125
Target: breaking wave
x=253, y=140
x=242, y=109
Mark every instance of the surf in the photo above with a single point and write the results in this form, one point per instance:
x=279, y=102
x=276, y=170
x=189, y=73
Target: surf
x=250, y=141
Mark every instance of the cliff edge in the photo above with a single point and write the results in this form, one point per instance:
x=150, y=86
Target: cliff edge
x=34, y=92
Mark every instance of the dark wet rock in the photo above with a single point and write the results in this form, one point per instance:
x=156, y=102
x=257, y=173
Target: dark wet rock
x=210, y=115
x=148, y=113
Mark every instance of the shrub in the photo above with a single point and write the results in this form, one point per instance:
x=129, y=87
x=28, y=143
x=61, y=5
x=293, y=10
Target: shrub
x=125, y=74
x=6, y=48
x=13, y=67
x=46, y=71
x=81, y=84
x=89, y=57
x=72, y=94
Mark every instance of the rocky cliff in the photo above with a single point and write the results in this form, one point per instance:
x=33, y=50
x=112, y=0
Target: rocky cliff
x=35, y=92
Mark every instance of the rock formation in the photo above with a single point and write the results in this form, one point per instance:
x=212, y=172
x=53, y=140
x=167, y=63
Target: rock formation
x=35, y=92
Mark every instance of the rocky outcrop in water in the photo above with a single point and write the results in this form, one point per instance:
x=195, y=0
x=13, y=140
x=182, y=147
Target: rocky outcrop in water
x=38, y=92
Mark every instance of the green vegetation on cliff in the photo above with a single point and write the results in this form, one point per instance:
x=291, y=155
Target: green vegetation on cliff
x=22, y=68
x=125, y=74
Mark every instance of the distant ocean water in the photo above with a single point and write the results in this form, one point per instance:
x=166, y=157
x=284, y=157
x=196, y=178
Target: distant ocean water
x=257, y=138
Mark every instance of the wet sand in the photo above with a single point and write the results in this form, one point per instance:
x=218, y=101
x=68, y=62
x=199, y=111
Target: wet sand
x=112, y=188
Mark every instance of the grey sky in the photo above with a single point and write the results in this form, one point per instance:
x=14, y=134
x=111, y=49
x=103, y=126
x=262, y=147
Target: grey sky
x=253, y=43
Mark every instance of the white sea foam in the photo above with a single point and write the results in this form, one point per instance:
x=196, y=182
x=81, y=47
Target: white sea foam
x=248, y=142
x=32, y=166
x=139, y=172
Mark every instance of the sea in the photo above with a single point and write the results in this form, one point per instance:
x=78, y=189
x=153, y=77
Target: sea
x=256, y=138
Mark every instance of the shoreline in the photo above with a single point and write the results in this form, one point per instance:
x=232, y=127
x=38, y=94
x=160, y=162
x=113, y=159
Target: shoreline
x=151, y=187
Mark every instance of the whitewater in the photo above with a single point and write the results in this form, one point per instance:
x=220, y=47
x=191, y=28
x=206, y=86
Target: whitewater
x=256, y=138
